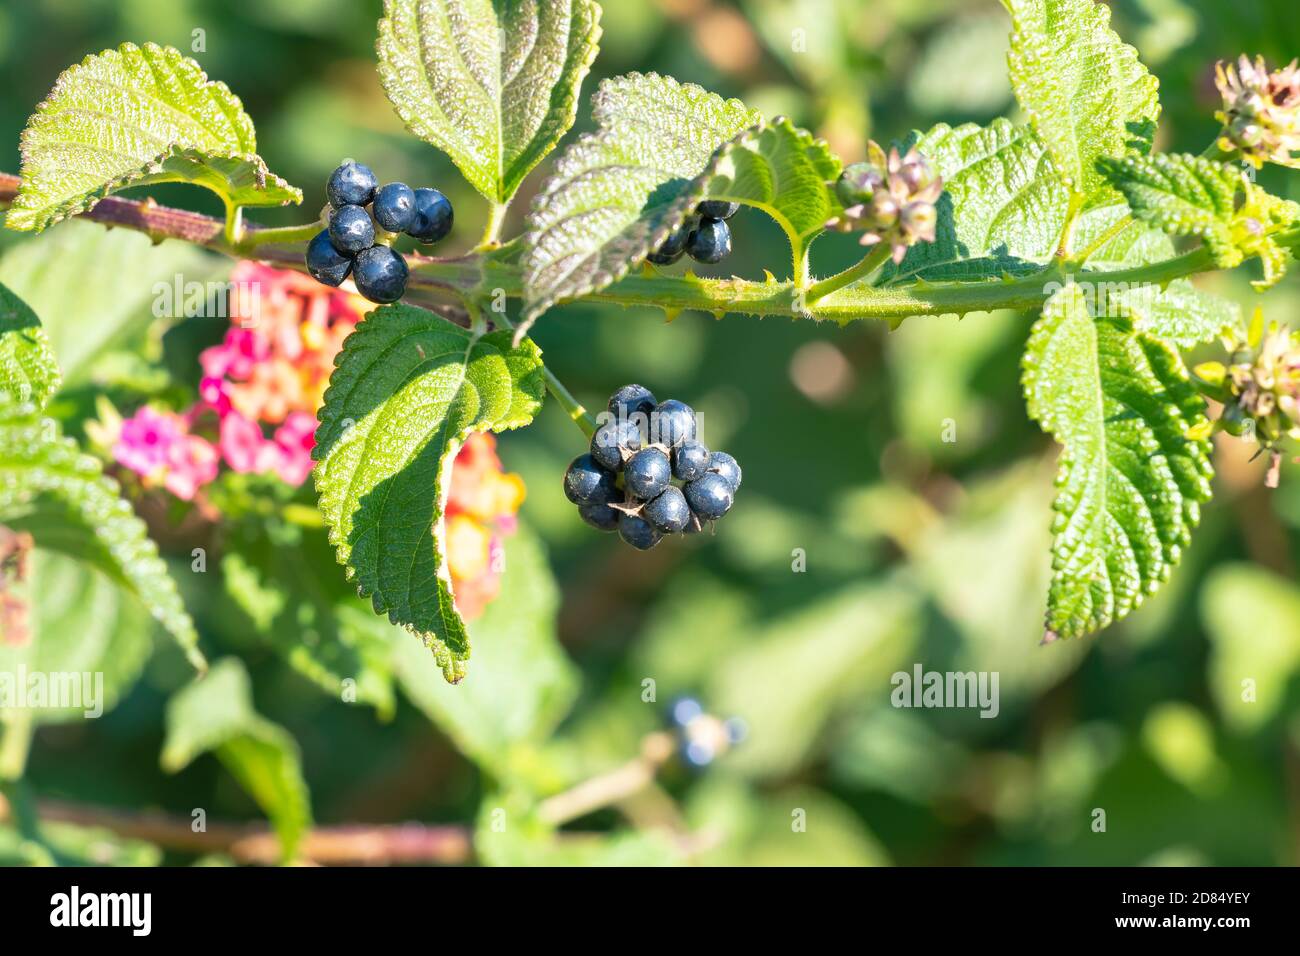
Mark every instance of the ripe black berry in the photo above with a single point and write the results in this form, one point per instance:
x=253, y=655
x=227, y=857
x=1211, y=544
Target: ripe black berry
x=672, y=423
x=631, y=399
x=587, y=483
x=647, y=473
x=351, y=229
x=612, y=440
x=433, y=216
x=668, y=512
x=672, y=248
x=637, y=532
x=600, y=517
x=709, y=242
x=723, y=464
x=710, y=497
x=712, y=209
x=380, y=274
x=690, y=460
x=395, y=207
x=325, y=263
x=351, y=185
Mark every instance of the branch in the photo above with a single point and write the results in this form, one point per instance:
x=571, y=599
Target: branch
x=478, y=274
x=257, y=843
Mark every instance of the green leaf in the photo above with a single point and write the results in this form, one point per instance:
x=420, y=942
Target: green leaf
x=215, y=714
x=48, y=487
x=97, y=289
x=1130, y=480
x=281, y=598
x=1182, y=195
x=28, y=371
x=132, y=116
x=1179, y=313
x=492, y=83
x=1002, y=209
x=523, y=682
x=1252, y=618
x=408, y=389
x=86, y=634
x=1191, y=196
x=1086, y=93
x=617, y=192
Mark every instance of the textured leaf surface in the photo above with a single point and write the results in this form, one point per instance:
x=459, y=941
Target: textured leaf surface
x=1179, y=313
x=1130, y=481
x=1183, y=195
x=1002, y=208
x=492, y=83
x=522, y=683
x=80, y=623
x=137, y=115
x=617, y=192
x=1086, y=93
x=215, y=714
x=28, y=371
x=48, y=487
x=408, y=388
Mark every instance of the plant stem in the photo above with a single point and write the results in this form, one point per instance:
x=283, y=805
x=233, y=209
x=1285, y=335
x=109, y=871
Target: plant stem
x=465, y=276
x=572, y=407
x=496, y=219
x=15, y=743
x=869, y=263
x=277, y=235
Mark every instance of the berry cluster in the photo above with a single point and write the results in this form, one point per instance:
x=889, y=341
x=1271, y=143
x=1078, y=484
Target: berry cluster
x=704, y=236
x=359, y=242
x=626, y=482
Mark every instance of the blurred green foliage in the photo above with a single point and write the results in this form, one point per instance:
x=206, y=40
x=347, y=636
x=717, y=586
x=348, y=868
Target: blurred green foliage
x=918, y=548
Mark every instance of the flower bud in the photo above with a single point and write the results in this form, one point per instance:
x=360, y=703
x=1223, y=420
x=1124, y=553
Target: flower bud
x=889, y=199
x=1261, y=111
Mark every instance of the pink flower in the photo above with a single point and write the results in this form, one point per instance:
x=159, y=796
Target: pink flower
x=192, y=463
x=158, y=447
x=212, y=390
x=245, y=448
x=145, y=439
x=295, y=439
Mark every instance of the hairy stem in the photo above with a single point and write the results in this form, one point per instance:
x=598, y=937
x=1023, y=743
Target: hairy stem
x=461, y=278
x=572, y=407
x=869, y=263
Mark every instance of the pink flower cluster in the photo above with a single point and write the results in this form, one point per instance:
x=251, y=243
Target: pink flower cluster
x=268, y=374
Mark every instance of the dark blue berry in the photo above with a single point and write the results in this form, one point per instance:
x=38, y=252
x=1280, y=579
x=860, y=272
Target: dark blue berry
x=351, y=229
x=647, y=473
x=694, y=524
x=712, y=209
x=721, y=463
x=600, y=517
x=395, y=207
x=351, y=185
x=637, y=532
x=380, y=274
x=690, y=460
x=612, y=439
x=668, y=512
x=433, y=216
x=710, y=497
x=672, y=248
x=672, y=423
x=325, y=263
x=709, y=242
x=631, y=399
x=587, y=483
